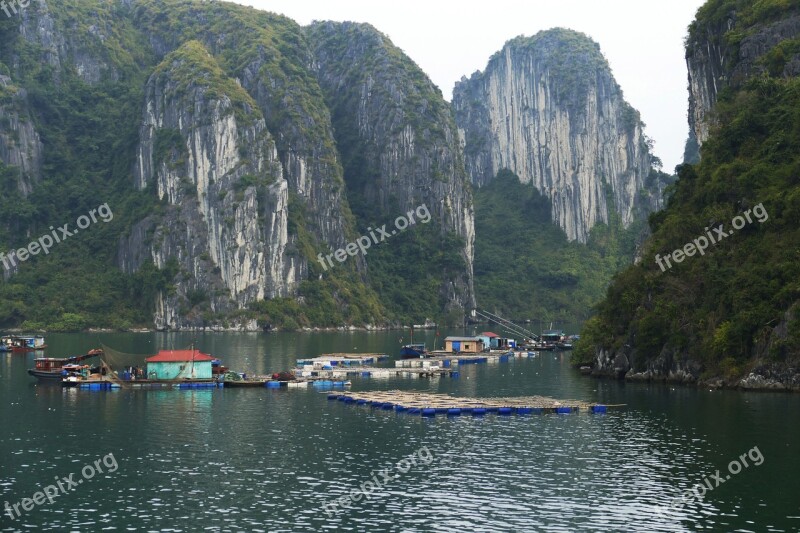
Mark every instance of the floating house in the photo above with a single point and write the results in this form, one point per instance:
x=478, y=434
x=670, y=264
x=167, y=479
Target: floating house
x=553, y=336
x=179, y=364
x=464, y=344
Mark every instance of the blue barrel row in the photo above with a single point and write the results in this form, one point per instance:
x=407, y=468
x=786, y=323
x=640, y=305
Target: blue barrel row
x=202, y=385
x=457, y=411
x=367, y=374
x=98, y=386
x=325, y=384
x=473, y=361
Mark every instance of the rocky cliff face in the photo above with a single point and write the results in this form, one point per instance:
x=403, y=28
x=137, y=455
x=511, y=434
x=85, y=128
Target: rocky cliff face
x=731, y=48
x=205, y=148
x=548, y=109
x=397, y=138
x=20, y=145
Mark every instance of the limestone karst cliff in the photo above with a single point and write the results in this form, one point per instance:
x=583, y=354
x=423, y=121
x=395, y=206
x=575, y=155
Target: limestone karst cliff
x=397, y=138
x=548, y=108
x=728, y=44
x=206, y=128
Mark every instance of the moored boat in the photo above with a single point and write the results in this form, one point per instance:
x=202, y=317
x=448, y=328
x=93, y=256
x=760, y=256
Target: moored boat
x=413, y=351
x=54, y=369
x=23, y=343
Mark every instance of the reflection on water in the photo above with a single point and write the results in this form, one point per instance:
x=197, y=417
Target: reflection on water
x=270, y=460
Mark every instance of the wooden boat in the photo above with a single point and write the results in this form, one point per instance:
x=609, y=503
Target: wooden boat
x=53, y=369
x=244, y=383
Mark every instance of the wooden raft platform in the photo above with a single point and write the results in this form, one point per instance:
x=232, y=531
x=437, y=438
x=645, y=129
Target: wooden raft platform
x=427, y=404
x=373, y=372
x=343, y=359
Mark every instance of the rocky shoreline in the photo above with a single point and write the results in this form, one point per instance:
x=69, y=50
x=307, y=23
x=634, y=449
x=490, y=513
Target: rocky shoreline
x=669, y=367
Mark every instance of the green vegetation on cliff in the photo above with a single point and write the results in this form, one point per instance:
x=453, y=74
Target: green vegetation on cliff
x=526, y=268
x=722, y=308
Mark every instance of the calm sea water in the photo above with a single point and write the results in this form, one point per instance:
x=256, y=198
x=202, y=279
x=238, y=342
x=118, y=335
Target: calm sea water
x=271, y=460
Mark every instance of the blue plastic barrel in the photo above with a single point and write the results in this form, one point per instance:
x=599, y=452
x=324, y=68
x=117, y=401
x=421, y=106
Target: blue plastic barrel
x=563, y=410
x=599, y=409
x=273, y=384
x=361, y=401
x=366, y=374
x=332, y=396
x=400, y=408
x=387, y=405
x=349, y=400
x=414, y=410
x=454, y=374
x=446, y=363
x=454, y=412
x=524, y=410
x=478, y=411
x=428, y=412
x=342, y=398
x=504, y=411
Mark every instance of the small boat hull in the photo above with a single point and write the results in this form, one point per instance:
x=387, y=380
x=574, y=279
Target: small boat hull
x=53, y=376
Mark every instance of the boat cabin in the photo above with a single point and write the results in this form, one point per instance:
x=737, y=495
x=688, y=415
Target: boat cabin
x=464, y=344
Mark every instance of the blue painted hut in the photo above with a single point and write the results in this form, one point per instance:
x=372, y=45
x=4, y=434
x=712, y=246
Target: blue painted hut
x=179, y=364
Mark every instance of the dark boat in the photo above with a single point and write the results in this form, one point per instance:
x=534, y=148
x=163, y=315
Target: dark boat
x=413, y=351
x=52, y=369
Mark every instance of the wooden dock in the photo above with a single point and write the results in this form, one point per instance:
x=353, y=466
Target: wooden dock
x=447, y=360
x=343, y=359
x=428, y=405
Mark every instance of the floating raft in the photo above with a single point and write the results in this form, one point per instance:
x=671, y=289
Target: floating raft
x=428, y=405
x=343, y=359
x=372, y=372
x=460, y=359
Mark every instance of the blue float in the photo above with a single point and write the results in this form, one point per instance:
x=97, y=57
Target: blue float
x=427, y=412
x=454, y=412
x=273, y=384
x=524, y=410
x=505, y=411
x=478, y=411
x=599, y=409
x=563, y=410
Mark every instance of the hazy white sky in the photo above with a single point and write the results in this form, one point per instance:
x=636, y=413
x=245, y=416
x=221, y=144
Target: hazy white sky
x=643, y=42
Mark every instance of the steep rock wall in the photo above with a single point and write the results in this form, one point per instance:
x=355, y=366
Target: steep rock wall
x=397, y=137
x=205, y=148
x=548, y=109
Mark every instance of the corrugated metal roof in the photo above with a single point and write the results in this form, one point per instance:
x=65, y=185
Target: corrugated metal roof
x=179, y=356
x=463, y=339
